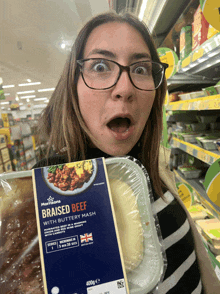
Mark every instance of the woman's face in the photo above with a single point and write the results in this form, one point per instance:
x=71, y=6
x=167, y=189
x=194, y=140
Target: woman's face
x=117, y=116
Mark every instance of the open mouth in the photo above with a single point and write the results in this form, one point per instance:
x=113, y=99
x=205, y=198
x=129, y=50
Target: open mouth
x=119, y=124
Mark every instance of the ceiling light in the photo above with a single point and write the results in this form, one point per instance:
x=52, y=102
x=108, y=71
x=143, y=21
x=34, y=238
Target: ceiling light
x=30, y=96
x=28, y=80
x=142, y=10
x=63, y=46
x=7, y=94
x=6, y=102
x=46, y=90
x=28, y=100
x=38, y=99
x=26, y=92
x=29, y=84
x=8, y=86
x=21, y=103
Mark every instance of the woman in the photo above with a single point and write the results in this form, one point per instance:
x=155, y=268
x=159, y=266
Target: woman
x=108, y=102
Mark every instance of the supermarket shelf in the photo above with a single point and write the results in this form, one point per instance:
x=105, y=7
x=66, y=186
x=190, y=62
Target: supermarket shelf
x=203, y=197
x=196, y=151
x=202, y=103
x=201, y=67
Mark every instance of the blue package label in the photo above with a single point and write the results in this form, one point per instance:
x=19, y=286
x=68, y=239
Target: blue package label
x=77, y=235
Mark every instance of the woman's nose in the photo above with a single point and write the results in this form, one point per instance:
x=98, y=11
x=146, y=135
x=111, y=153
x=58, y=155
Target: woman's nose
x=123, y=88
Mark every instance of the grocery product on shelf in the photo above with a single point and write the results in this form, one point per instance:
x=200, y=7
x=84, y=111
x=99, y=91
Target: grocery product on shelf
x=200, y=28
x=185, y=41
x=189, y=171
x=210, y=91
x=207, y=142
x=198, y=212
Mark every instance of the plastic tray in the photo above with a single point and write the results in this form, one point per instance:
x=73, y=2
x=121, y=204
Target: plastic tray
x=185, y=96
x=197, y=94
x=153, y=262
x=197, y=127
x=206, y=143
x=190, y=173
x=191, y=138
x=207, y=118
x=144, y=278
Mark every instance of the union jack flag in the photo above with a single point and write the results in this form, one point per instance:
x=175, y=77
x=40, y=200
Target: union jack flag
x=86, y=238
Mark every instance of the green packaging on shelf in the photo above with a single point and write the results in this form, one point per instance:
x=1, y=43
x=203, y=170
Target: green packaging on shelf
x=185, y=41
x=210, y=91
x=189, y=137
x=207, y=142
x=196, y=127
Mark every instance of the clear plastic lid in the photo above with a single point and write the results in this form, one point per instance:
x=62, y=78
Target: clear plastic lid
x=139, y=231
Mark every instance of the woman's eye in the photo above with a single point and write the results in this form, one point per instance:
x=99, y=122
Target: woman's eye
x=141, y=70
x=100, y=67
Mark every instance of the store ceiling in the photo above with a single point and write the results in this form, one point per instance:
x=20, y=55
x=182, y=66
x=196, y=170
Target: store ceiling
x=32, y=31
x=31, y=34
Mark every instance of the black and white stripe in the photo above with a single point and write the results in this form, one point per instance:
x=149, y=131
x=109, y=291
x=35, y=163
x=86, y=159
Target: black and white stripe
x=182, y=275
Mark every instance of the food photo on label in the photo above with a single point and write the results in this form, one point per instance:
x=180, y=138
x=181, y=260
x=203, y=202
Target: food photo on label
x=70, y=178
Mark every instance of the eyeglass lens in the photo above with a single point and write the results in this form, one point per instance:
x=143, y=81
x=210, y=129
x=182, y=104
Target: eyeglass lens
x=102, y=74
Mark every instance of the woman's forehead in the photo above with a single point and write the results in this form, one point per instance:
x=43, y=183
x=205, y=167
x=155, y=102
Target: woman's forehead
x=116, y=38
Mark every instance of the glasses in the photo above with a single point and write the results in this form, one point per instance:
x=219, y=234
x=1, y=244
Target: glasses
x=102, y=74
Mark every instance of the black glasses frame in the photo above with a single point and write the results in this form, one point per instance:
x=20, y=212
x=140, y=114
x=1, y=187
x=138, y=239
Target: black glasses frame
x=123, y=68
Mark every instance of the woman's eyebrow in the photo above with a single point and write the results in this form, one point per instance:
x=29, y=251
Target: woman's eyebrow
x=110, y=54
x=103, y=52
x=137, y=56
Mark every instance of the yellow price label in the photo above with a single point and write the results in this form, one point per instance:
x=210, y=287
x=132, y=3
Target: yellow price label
x=186, y=61
x=198, y=54
x=215, y=104
x=190, y=150
x=185, y=195
x=202, y=156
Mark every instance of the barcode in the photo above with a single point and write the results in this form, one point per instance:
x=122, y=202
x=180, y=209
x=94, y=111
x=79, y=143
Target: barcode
x=120, y=284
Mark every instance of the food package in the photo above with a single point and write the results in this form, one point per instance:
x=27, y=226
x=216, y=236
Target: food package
x=190, y=172
x=174, y=96
x=207, y=142
x=145, y=260
x=200, y=29
x=198, y=212
x=210, y=91
x=185, y=41
x=197, y=94
x=207, y=226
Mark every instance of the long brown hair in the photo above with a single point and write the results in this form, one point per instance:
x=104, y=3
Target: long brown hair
x=61, y=123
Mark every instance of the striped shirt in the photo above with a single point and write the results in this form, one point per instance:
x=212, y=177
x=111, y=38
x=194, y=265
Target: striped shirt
x=182, y=274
